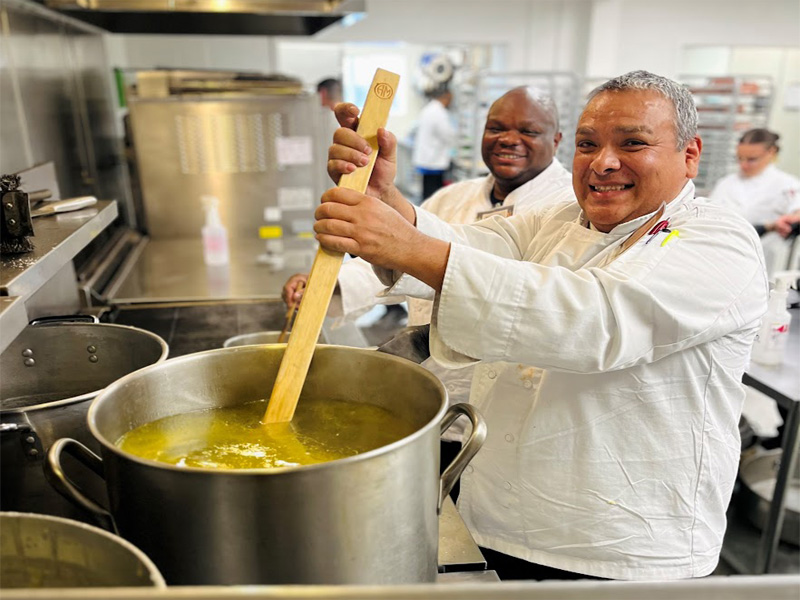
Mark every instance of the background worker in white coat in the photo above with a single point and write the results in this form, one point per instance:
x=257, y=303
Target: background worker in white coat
x=612, y=334
x=434, y=142
x=763, y=194
x=520, y=139
x=330, y=92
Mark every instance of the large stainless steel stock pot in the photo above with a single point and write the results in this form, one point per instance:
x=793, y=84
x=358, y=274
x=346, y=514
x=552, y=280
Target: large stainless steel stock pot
x=367, y=519
x=49, y=375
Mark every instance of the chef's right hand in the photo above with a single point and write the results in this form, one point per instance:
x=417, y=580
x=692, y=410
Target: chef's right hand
x=290, y=294
x=350, y=151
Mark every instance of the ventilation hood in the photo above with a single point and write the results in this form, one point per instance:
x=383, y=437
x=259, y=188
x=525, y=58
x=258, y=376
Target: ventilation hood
x=223, y=17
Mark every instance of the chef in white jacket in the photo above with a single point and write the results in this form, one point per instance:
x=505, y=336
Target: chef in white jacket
x=520, y=138
x=434, y=142
x=763, y=194
x=612, y=335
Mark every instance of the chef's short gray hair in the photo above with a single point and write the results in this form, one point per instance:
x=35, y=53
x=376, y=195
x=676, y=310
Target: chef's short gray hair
x=679, y=95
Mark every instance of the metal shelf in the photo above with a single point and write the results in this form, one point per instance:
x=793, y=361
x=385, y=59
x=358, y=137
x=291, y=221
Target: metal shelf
x=727, y=107
x=58, y=240
x=742, y=543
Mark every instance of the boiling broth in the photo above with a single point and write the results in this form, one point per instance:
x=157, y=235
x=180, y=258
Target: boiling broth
x=234, y=438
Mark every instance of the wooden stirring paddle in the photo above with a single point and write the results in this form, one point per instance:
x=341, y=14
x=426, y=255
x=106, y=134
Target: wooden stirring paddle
x=325, y=270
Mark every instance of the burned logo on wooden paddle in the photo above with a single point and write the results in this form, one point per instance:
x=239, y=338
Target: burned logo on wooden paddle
x=383, y=91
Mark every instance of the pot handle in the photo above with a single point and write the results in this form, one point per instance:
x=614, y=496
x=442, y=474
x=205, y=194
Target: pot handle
x=476, y=438
x=55, y=475
x=65, y=319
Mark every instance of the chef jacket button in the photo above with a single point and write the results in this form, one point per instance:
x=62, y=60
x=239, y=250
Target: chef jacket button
x=491, y=374
x=509, y=437
x=507, y=485
x=451, y=387
x=469, y=469
x=528, y=384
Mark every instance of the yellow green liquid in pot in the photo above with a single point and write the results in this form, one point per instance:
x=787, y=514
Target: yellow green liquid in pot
x=234, y=438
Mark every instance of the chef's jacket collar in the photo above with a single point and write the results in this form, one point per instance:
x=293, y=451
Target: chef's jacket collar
x=629, y=227
x=488, y=184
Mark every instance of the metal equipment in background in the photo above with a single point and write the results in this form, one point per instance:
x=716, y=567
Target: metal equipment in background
x=726, y=108
x=256, y=143
x=16, y=226
x=758, y=474
x=252, y=141
x=229, y=17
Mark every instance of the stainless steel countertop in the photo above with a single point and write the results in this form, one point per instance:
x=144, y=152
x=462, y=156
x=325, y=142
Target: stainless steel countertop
x=781, y=382
x=774, y=587
x=59, y=238
x=174, y=270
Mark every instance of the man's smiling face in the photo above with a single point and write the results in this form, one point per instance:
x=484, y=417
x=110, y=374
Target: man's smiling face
x=519, y=139
x=627, y=162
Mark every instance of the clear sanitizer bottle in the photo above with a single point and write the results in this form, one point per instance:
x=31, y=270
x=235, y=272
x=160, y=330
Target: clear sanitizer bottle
x=215, y=236
x=770, y=344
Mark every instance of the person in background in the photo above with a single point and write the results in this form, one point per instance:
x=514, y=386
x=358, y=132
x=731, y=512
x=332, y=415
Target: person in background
x=330, y=92
x=763, y=194
x=434, y=142
x=520, y=139
x=611, y=332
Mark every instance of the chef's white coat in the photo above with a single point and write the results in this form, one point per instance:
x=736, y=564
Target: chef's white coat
x=759, y=199
x=611, y=386
x=762, y=199
x=459, y=203
x=436, y=136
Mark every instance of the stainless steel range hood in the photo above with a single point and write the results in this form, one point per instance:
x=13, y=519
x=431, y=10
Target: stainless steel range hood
x=228, y=17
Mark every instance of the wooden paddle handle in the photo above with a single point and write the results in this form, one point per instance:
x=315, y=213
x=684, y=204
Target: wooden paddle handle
x=325, y=270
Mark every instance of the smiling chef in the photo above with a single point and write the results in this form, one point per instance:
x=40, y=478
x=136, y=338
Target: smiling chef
x=611, y=333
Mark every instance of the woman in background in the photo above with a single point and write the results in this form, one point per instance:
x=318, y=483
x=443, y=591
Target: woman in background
x=763, y=194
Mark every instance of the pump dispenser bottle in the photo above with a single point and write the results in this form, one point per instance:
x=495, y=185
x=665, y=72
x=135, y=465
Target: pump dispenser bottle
x=215, y=236
x=770, y=345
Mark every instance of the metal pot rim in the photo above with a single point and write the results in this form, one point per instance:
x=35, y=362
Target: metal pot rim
x=232, y=341
x=149, y=565
x=276, y=471
x=88, y=395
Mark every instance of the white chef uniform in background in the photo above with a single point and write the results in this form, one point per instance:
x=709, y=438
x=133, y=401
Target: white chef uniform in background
x=436, y=135
x=613, y=440
x=761, y=199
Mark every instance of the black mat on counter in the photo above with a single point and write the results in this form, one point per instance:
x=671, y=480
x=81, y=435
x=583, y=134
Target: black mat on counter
x=198, y=327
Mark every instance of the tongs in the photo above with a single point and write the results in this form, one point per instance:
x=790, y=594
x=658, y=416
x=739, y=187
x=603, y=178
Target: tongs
x=290, y=314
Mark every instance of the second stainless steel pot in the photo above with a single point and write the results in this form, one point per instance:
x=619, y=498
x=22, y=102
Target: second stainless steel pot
x=50, y=373
x=42, y=551
x=367, y=519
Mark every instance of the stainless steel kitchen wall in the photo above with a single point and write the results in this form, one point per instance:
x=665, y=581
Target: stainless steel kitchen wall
x=56, y=102
x=262, y=156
